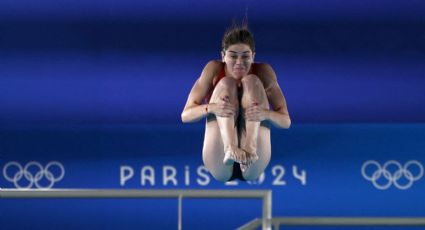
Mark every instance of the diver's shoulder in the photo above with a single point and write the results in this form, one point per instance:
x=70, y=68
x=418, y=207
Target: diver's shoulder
x=262, y=66
x=214, y=64
x=265, y=71
x=211, y=69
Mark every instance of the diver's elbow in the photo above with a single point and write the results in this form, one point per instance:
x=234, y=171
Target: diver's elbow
x=286, y=123
x=187, y=118
x=184, y=117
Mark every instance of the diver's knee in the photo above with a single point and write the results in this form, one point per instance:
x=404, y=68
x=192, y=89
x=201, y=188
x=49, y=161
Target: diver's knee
x=253, y=91
x=251, y=79
x=225, y=88
x=227, y=82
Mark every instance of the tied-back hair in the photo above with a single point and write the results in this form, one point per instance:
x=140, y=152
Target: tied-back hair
x=238, y=33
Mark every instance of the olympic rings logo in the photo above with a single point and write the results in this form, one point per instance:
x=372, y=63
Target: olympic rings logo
x=383, y=177
x=33, y=173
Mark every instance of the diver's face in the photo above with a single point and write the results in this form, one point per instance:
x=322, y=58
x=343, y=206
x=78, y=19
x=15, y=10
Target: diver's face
x=238, y=59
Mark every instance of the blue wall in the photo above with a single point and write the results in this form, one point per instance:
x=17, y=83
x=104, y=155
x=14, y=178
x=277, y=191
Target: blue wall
x=98, y=86
x=316, y=170
x=135, y=61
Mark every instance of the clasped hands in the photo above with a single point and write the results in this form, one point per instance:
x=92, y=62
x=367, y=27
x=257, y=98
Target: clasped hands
x=226, y=109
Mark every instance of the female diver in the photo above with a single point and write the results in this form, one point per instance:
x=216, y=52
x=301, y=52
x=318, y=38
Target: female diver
x=239, y=98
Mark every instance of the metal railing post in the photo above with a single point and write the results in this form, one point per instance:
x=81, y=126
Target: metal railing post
x=267, y=210
x=180, y=215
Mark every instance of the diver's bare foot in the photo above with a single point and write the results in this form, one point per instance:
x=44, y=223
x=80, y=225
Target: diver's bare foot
x=251, y=158
x=244, y=167
x=234, y=155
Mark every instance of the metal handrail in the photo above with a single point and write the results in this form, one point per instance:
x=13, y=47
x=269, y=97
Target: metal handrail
x=349, y=221
x=339, y=221
x=265, y=195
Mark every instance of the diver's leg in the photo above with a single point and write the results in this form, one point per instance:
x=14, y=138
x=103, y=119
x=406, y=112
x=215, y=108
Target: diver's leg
x=226, y=92
x=220, y=142
x=253, y=93
x=212, y=152
x=254, y=170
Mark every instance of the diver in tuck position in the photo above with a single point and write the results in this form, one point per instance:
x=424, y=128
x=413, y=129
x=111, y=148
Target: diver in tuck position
x=238, y=97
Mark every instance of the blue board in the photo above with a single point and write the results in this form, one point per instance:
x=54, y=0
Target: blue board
x=316, y=170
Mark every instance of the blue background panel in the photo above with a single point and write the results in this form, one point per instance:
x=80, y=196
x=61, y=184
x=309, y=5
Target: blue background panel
x=95, y=156
x=97, y=62
x=99, y=86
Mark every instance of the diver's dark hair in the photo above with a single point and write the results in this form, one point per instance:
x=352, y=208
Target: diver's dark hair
x=238, y=33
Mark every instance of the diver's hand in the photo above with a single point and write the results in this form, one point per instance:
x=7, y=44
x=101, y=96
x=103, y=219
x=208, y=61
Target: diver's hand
x=223, y=109
x=255, y=113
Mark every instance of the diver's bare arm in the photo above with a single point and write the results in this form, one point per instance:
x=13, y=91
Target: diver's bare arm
x=278, y=114
x=194, y=110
